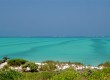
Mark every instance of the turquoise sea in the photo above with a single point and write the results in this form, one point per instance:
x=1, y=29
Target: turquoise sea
x=90, y=51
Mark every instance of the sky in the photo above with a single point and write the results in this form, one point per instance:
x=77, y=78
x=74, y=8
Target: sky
x=54, y=18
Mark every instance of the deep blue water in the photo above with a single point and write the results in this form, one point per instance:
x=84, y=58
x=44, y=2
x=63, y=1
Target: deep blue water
x=90, y=51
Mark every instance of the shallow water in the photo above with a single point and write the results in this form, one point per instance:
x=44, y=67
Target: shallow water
x=90, y=51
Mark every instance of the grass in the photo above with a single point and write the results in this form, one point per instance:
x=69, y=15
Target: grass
x=67, y=74
x=48, y=72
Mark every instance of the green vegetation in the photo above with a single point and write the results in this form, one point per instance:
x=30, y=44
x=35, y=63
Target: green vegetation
x=49, y=66
x=57, y=62
x=67, y=74
x=97, y=74
x=16, y=62
x=10, y=75
x=106, y=64
x=4, y=59
x=1, y=61
x=51, y=62
x=37, y=75
x=48, y=71
x=33, y=67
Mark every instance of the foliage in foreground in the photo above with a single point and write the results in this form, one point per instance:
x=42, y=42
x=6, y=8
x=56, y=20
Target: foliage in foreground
x=47, y=72
x=9, y=75
x=68, y=74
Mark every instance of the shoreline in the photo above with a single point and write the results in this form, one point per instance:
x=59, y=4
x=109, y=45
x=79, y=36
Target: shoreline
x=59, y=66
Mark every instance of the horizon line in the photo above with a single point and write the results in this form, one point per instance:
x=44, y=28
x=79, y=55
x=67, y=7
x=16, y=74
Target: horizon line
x=52, y=36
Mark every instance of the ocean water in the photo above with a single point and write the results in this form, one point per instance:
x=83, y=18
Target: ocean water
x=90, y=51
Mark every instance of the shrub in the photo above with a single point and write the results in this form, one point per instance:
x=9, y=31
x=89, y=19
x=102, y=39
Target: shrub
x=44, y=68
x=106, y=64
x=1, y=61
x=5, y=59
x=76, y=63
x=50, y=61
x=33, y=67
x=48, y=67
x=90, y=74
x=45, y=75
x=6, y=67
x=68, y=74
x=37, y=75
x=9, y=75
x=16, y=62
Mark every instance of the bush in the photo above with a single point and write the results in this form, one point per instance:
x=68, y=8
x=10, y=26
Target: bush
x=9, y=75
x=33, y=67
x=1, y=61
x=37, y=75
x=89, y=74
x=6, y=67
x=50, y=61
x=68, y=74
x=48, y=67
x=106, y=64
x=5, y=59
x=16, y=62
x=45, y=75
x=44, y=68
